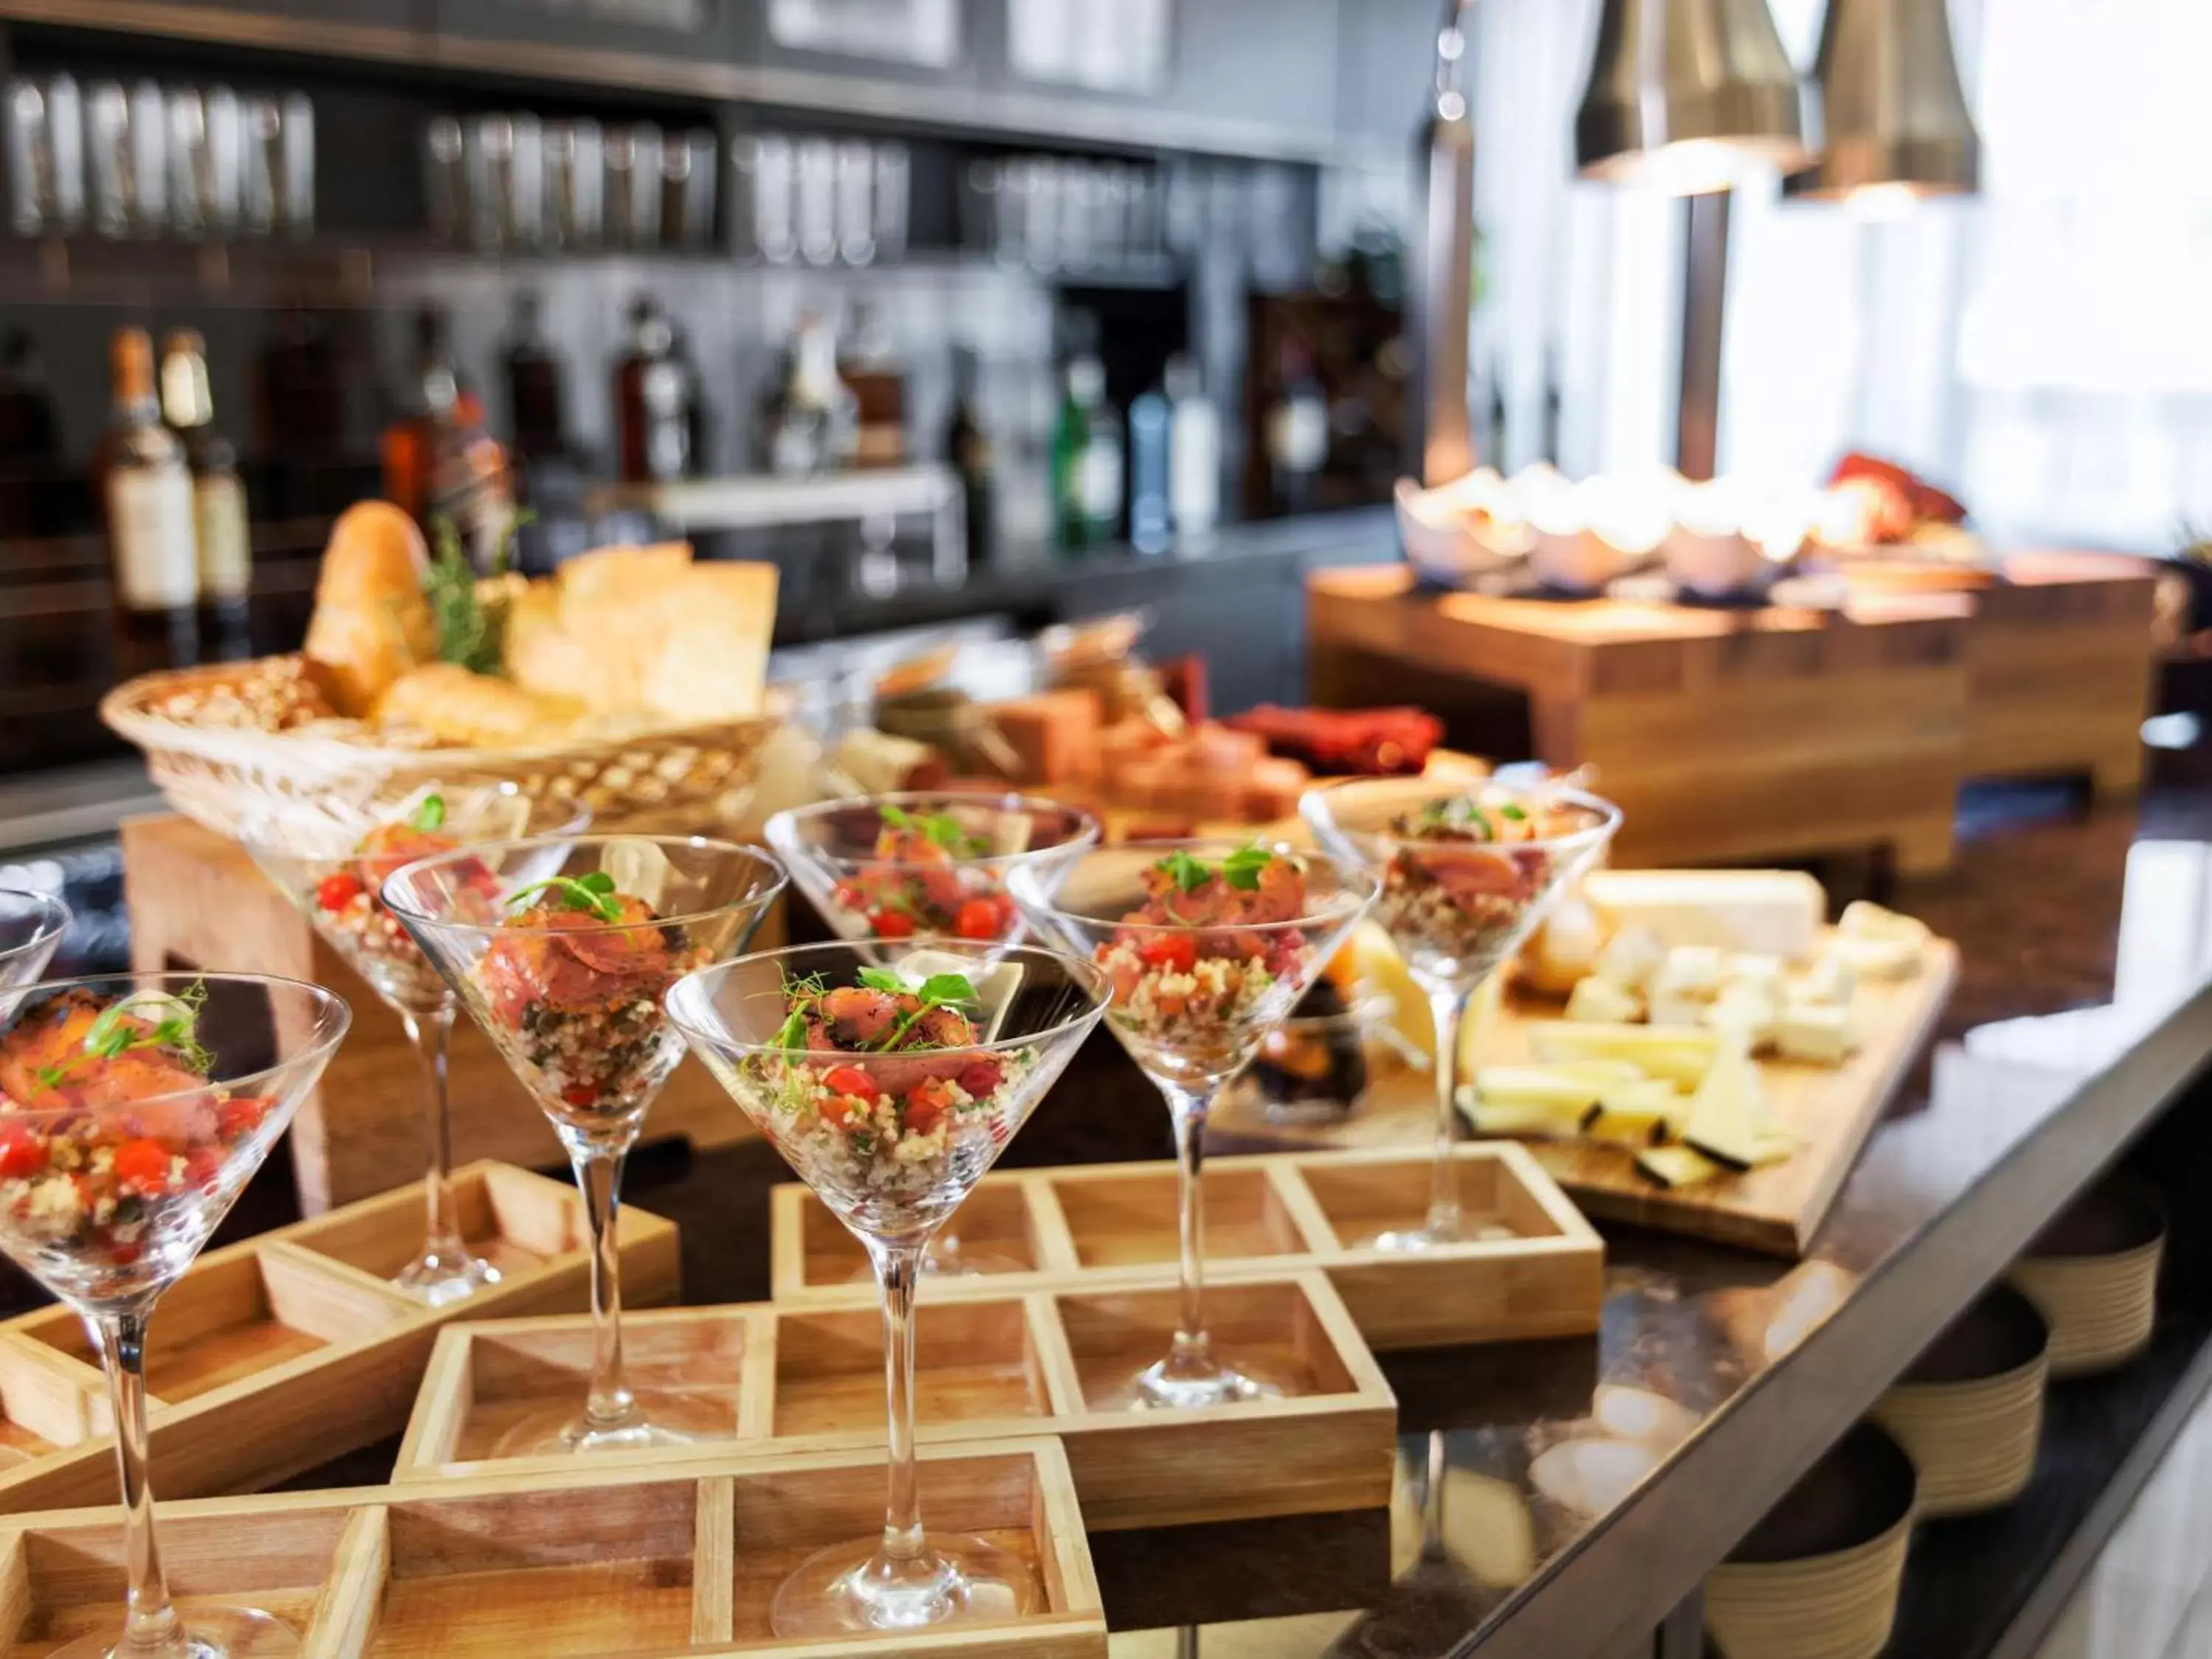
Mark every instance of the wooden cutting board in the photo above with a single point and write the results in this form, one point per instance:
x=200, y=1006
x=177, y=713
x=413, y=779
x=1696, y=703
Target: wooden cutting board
x=1832, y=1108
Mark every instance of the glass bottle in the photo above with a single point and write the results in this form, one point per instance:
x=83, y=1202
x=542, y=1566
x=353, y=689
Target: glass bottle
x=147, y=487
x=534, y=393
x=438, y=460
x=219, y=517
x=871, y=369
x=652, y=424
x=1194, y=452
x=968, y=447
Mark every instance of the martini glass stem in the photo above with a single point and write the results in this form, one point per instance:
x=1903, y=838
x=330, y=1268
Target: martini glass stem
x=599, y=1176
x=430, y=1034
x=151, y=1629
x=898, y=1269
x=1448, y=1007
x=1192, y=1355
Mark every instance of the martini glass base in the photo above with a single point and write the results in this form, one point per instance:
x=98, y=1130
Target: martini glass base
x=438, y=1279
x=662, y=1419
x=1166, y=1386
x=850, y=1589
x=210, y=1632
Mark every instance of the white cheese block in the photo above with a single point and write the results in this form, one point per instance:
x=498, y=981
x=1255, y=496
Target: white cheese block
x=1679, y=1056
x=1864, y=919
x=1630, y=959
x=1748, y=1011
x=1752, y=968
x=1601, y=1001
x=1774, y=911
x=1538, y=1085
x=1692, y=970
x=1877, y=959
x=1830, y=980
x=1673, y=1009
x=1565, y=949
x=1814, y=1031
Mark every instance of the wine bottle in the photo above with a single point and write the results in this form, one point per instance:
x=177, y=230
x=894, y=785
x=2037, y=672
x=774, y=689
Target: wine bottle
x=147, y=486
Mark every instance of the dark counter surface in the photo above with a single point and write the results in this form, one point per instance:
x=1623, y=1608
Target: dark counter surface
x=1588, y=1486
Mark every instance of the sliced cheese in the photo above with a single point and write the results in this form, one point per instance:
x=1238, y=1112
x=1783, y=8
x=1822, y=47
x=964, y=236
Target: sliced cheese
x=1601, y=1001
x=1677, y=1167
x=1775, y=912
x=1513, y=1117
x=1883, y=960
x=1862, y=919
x=1779, y=1147
x=1643, y=1114
x=1542, y=1085
x=1680, y=1056
x=1727, y=1113
x=1817, y=1032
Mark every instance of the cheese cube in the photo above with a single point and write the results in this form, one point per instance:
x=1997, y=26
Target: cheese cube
x=1830, y=980
x=1746, y=1011
x=1692, y=970
x=1603, y=1002
x=1671, y=1008
x=1777, y=912
x=1862, y=919
x=1817, y=1032
x=1880, y=959
x=1630, y=959
x=1751, y=967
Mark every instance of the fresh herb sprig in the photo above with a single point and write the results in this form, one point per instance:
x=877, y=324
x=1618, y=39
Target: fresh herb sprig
x=803, y=993
x=937, y=991
x=430, y=815
x=939, y=829
x=117, y=1032
x=469, y=632
x=1240, y=869
x=594, y=893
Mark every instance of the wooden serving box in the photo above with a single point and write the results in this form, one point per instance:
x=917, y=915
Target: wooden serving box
x=1096, y=1224
x=276, y=1354
x=804, y=1380
x=592, y=1560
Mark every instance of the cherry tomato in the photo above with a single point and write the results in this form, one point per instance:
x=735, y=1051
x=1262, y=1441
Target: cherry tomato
x=979, y=1077
x=925, y=1107
x=237, y=1118
x=848, y=1110
x=203, y=1168
x=978, y=918
x=141, y=1166
x=892, y=924
x=22, y=1151
x=337, y=891
x=581, y=1095
x=1177, y=952
x=851, y=1080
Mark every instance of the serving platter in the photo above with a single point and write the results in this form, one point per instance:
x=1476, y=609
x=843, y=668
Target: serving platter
x=278, y=1354
x=1538, y=1272
x=592, y=1559
x=807, y=1379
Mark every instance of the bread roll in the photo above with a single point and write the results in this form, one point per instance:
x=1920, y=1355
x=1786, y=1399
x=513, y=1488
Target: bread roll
x=371, y=622
x=454, y=706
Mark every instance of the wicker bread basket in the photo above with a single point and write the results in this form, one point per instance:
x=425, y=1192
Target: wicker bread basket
x=676, y=778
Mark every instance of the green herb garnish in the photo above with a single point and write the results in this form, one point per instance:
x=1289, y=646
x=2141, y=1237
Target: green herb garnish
x=471, y=631
x=937, y=991
x=1511, y=813
x=430, y=815
x=1242, y=868
x=804, y=992
x=940, y=829
x=116, y=1033
x=1190, y=874
x=594, y=893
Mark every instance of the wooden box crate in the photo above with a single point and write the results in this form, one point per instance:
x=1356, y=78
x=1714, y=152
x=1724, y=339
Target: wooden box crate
x=278, y=1354
x=1539, y=1275
x=592, y=1560
x=810, y=1379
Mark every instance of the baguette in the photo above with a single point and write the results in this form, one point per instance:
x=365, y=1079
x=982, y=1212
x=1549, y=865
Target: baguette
x=371, y=622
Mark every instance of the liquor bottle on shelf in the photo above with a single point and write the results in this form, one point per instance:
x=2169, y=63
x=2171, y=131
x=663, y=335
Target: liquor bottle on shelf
x=1298, y=431
x=698, y=416
x=534, y=400
x=439, y=461
x=1150, y=419
x=968, y=447
x=1087, y=457
x=653, y=418
x=870, y=369
x=814, y=420
x=223, y=544
x=148, y=488
x=1194, y=452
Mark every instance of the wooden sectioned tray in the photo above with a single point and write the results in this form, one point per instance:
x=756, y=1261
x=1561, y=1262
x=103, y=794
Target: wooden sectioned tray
x=803, y=1380
x=594, y=1559
x=1539, y=1274
x=278, y=1354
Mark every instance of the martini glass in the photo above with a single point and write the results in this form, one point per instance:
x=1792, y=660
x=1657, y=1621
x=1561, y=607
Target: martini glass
x=329, y=858
x=896, y=872
x=892, y=1137
x=131, y=1124
x=1209, y=946
x=564, y=969
x=30, y=929
x=1467, y=871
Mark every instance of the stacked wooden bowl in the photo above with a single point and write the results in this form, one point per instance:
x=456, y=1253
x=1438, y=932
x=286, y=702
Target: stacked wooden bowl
x=1969, y=1413
x=2094, y=1275
x=1818, y=1577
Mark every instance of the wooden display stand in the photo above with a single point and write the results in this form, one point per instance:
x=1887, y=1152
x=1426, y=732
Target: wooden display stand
x=801, y=1381
x=587, y=1562
x=280, y=1352
x=197, y=901
x=1723, y=735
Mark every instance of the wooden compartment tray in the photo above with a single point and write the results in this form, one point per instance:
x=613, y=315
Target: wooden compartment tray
x=276, y=1354
x=592, y=1560
x=809, y=1379
x=1539, y=1274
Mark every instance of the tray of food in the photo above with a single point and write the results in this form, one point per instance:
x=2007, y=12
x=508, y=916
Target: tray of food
x=807, y=1379
x=591, y=1560
x=1535, y=1267
x=276, y=1354
x=634, y=679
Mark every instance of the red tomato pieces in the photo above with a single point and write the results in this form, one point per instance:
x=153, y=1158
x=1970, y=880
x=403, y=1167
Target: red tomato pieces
x=851, y=1080
x=22, y=1151
x=892, y=924
x=978, y=918
x=141, y=1166
x=1178, y=953
x=337, y=891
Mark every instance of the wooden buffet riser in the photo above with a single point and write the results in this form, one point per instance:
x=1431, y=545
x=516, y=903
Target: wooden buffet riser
x=810, y=1380
x=592, y=1560
x=197, y=900
x=276, y=1354
x=1832, y=1108
x=1087, y=1226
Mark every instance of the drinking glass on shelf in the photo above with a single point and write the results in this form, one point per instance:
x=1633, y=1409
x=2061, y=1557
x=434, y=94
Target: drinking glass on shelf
x=891, y=1095
x=137, y=1113
x=564, y=960
x=1468, y=870
x=1208, y=946
x=330, y=859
